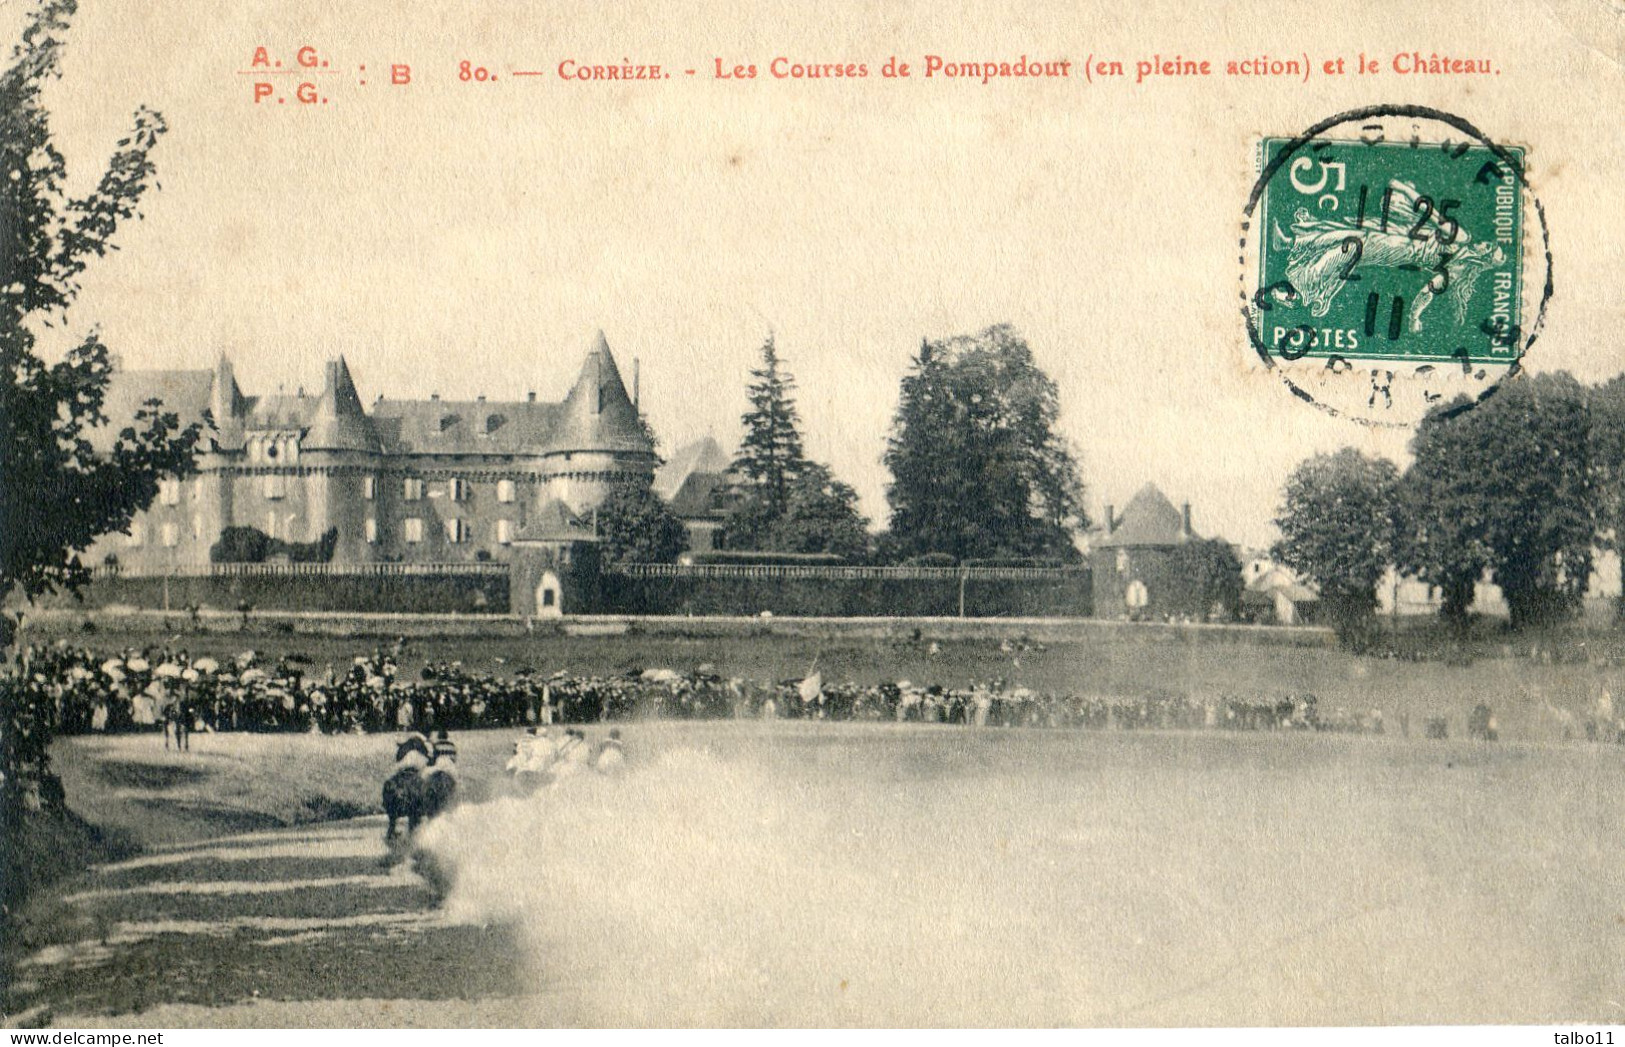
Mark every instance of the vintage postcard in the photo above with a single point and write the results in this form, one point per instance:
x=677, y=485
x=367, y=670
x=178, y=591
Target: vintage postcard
x=886, y=515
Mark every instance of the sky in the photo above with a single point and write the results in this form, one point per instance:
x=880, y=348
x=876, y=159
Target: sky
x=468, y=238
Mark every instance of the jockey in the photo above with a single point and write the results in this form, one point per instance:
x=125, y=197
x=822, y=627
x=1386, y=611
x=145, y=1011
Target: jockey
x=608, y=756
x=572, y=755
x=533, y=753
x=413, y=751
x=444, y=748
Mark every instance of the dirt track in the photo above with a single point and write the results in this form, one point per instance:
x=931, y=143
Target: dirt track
x=846, y=874
x=301, y=914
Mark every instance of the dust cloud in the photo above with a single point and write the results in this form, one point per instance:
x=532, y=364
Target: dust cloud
x=704, y=891
x=887, y=877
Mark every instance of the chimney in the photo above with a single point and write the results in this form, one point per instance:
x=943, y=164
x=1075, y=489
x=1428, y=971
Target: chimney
x=1111, y=518
x=1186, y=512
x=481, y=398
x=434, y=396
x=530, y=397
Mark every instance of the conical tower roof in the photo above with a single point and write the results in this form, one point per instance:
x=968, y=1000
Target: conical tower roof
x=339, y=423
x=226, y=405
x=598, y=415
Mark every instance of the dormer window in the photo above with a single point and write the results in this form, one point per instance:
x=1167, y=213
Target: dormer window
x=493, y=423
x=447, y=421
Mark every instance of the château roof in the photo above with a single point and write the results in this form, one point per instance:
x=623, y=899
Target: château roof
x=338, y=421
x=184, y=393
x=693, y=479
x=465, y=426
x=596, y=416
x=699, y=497
x=553, y=522
x=1149, y=519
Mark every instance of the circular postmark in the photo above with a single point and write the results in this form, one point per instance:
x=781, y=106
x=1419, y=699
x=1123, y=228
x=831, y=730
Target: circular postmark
x=1383, y=263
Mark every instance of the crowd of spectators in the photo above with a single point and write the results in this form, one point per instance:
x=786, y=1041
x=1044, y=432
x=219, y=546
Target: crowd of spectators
x=80, y=691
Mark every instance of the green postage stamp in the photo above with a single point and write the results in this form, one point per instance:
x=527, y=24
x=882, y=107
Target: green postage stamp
x=1392, y=250
x=1384, y=261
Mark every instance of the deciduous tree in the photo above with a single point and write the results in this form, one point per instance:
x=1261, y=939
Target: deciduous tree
x=1439, y=539
x=58, y=490
x=635, y=526
x=1607, y=402
x=1516, y=485
x=1207, y=578
x=1337, y=530
x=978, y=467
x=822, y=517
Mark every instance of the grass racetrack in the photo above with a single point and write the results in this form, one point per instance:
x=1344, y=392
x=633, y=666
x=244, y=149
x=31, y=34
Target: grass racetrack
x=850, y=874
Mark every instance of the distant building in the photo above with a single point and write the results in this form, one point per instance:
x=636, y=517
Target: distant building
x=415, y=481
x=1273, y=594
x=1132, y=561
x=695, y=482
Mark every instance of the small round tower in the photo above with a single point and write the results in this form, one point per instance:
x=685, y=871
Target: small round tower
x=599, y=441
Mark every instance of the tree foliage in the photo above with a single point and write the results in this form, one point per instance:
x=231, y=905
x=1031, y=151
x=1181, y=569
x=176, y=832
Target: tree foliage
x=978, y=468
x=770, y=454
x=1509, y=484
x=1207, y=579
x=58, y=490
x=252, y=545
x=63, y=482
x=1607, y=410
x=782, y=502
x=1438, y=518
x=636, y=526
x=822, y=517
x=1337, y=530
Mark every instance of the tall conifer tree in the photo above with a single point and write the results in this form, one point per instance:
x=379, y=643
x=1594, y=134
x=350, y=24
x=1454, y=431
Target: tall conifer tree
x=771, y=458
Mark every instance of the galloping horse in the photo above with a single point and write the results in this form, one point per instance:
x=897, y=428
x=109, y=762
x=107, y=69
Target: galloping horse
x=422, y=786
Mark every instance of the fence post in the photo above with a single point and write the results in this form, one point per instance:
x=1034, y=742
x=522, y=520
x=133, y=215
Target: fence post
x=964, y=575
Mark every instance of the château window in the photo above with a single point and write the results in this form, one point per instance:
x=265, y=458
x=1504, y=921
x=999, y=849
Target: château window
x=371, y=530
x=276, y=487
x=460, y=490
x=169, y=492
x=172, y=536
x=505, y=490
x=369, y=487
x=504, y=532
x=412, y=489
x=458, y=531
x=412, y=528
